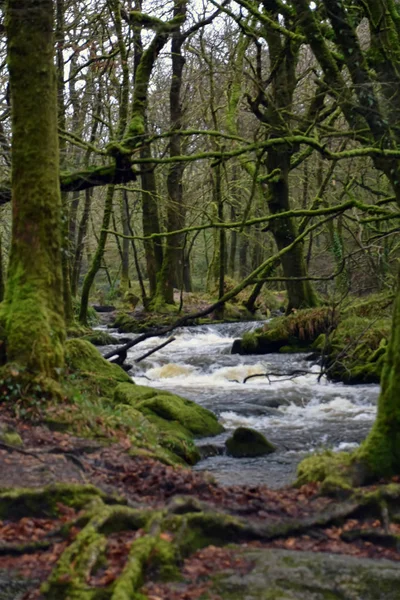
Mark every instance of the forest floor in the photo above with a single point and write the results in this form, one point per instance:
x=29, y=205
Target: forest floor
x=302, y=518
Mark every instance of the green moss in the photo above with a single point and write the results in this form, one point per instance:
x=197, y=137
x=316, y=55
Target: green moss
x=248, y=442
x=12, y=438
x=69, y=579
x=176, y=419
x=20, y=502
x=334, y=468
x=355, y=352
x=96, y=373
x=297, y=331
x=100, y=338
x=197, y=420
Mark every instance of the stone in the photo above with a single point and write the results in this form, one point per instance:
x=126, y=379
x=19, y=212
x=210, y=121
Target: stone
x=246, y=442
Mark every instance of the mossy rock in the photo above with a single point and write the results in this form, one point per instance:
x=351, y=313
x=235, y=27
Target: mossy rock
x=299, y=330
x=99, y=375
x=194, y=418
x=246, y=442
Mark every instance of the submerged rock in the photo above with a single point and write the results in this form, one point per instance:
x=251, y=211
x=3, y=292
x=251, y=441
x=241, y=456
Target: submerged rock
x=248, y=442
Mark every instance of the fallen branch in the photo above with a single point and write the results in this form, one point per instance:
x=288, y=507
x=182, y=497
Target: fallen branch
x=293, y=375
x=150, y=352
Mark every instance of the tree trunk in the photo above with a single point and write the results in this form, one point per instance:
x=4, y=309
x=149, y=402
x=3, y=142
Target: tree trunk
x=125, y=281
x=151, y=224
x=381, y=450
x=32, y=312
x=300, y=293
x=98, y=256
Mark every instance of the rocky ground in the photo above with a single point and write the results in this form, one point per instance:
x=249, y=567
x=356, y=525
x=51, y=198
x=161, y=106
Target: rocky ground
x=147, y=530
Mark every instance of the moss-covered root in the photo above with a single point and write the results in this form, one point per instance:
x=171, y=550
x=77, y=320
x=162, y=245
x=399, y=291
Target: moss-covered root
x=149, y=548
x=42, y=502
x=69, y=579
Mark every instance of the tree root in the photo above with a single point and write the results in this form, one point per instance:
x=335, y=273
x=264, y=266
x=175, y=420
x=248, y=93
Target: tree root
x=164, y=537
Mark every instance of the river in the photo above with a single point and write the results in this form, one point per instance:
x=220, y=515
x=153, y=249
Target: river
x=299, y=415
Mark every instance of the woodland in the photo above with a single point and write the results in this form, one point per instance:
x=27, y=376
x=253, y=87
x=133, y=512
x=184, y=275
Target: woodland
x=168, y=163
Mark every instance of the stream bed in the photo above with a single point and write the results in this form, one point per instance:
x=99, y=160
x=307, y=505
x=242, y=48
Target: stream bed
x=299, y=414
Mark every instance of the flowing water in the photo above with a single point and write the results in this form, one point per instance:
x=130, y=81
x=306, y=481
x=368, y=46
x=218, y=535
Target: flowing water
x=298, y=414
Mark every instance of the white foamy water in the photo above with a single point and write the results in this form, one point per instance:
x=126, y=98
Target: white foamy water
x=299, y=414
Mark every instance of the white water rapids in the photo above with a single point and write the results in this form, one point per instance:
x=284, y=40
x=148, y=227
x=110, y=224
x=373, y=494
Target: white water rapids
x=299, y=415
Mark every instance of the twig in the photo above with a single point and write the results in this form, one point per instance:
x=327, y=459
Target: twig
x=293, y=375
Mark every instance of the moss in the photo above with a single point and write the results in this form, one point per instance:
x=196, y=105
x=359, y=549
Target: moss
x=355, y=352
x=176, y=439
x=176, y=419
x=12, y=438
x=299, y=330
x=100, y=338
x=96, y=373
x=69, y=578
x=197, y=420
x=370, y=306
x=20, y=502
x=248, y=442
x=331, y=467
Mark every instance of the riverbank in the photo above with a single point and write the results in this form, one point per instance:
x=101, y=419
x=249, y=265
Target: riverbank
x=99, y=517
x=349, y=342
x=164, y=531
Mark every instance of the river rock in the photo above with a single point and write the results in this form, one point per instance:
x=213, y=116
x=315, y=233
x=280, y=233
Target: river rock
x=248, y=442
x=290, y=575
x=207, y=450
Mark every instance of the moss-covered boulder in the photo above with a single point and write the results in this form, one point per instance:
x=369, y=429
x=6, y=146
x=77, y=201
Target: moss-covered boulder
x=246, y=442
x=297, y=332
x=176, y=419
x=355, y=351
x=87, y=364
x=172, y=408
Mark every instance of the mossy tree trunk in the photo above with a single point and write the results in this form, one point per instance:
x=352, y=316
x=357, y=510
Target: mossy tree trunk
x=381, y=450
x=284, y=58
x=300, y=293
x=98, y=256
x=32, y=312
